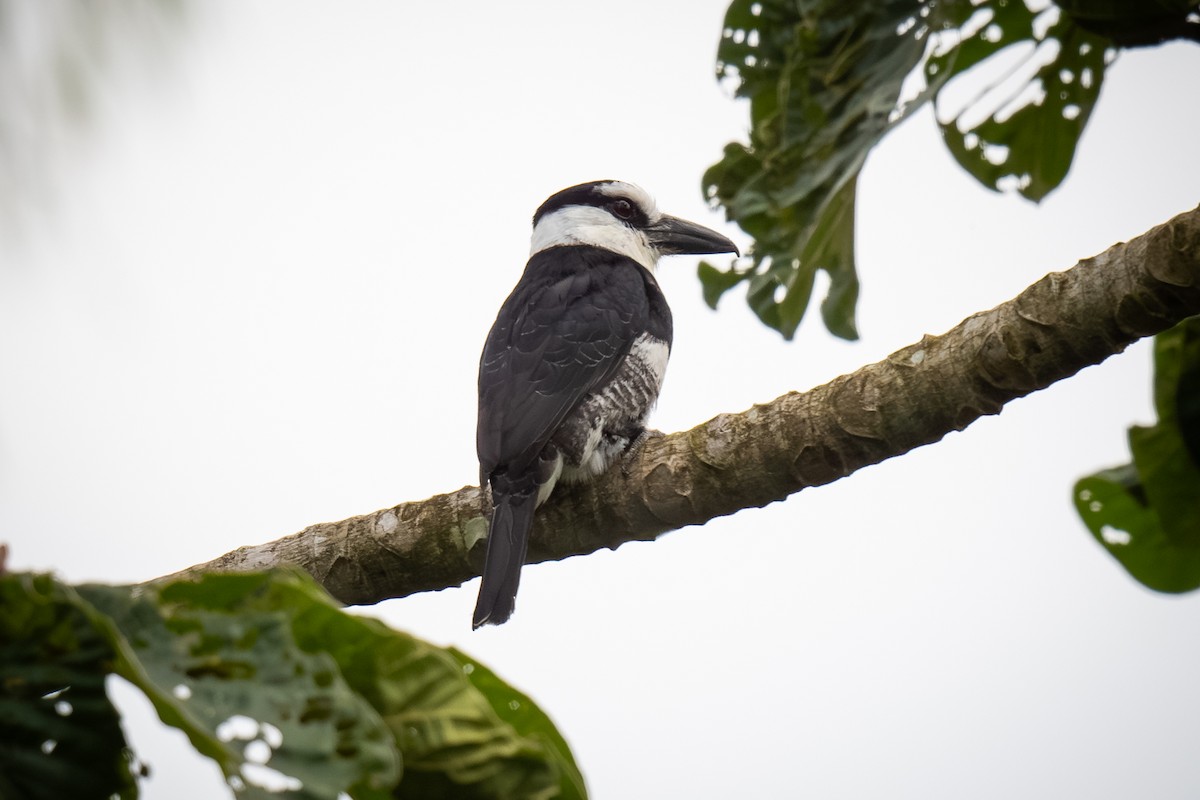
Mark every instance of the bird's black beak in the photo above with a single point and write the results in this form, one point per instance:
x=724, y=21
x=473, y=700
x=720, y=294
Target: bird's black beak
x=674, y=236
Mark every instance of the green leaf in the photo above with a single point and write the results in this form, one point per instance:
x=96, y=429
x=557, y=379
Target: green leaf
x=59, y=734
x=1147, y=514
x=1027, y=131
x=453, y=741
x=262, y=672
x=823, y=79
x=715, y=283
x=519, y=711
x=361, y=689
x=832, y=243
x=1111, y=504
x=1187, y=391
x=220, y=659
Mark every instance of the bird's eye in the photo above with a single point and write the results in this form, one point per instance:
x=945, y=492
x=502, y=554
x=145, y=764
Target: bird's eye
x=622, y=208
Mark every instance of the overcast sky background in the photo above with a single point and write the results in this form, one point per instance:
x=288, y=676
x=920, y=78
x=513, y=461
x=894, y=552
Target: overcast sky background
x=256, y=302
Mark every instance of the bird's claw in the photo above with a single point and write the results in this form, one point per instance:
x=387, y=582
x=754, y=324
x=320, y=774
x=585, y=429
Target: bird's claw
x=634, y=448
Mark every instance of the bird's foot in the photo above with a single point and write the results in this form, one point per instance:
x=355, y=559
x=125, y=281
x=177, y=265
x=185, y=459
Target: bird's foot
x=635, y=447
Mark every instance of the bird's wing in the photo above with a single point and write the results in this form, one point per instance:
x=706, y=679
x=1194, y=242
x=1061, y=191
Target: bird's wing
x=561, y=334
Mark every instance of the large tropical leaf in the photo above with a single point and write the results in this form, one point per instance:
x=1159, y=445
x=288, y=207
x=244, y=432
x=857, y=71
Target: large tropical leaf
x=1147, y=514
x=825, y=80
x=59, y=734
x=1021, y=130
x=225, y=657
x=289, y=694
x=824, y=83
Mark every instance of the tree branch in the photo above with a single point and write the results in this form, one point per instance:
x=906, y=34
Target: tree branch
x=1059, y=325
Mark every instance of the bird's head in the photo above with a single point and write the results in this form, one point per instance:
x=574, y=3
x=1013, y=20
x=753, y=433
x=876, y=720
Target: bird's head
x=621, y=217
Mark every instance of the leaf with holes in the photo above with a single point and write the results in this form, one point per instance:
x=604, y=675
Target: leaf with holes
x=269, y=677
x=1028, y=129
x=824, y=83
x=1147, y=514
x=222, y=649
x=453, y=741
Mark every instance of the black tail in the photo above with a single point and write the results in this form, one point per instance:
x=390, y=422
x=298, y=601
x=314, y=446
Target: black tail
x=508, y=537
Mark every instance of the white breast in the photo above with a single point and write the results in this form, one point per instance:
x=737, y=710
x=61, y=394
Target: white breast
x=600, y=430
x=654, y=354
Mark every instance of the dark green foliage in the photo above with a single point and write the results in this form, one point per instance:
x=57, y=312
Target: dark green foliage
x=1147, y=514
x=1029, y=144
x=231, y=646
x=824, y=78
x=529, y=721
x=59, y=734
x=1136, y=23
x=262, y=672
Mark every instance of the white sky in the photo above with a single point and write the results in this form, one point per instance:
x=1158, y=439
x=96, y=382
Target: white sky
x=259, y=304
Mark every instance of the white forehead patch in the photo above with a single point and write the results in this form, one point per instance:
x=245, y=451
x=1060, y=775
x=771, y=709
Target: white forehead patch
x=594, y=226
x=633, y=192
